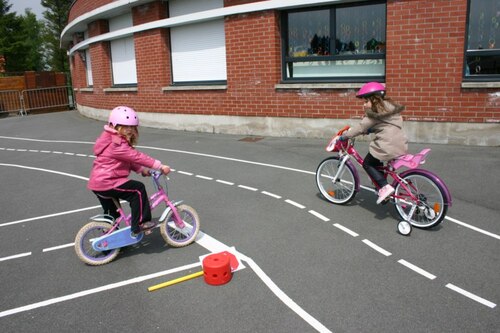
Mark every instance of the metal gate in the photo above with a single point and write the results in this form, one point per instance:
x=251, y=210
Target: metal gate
x=24, y=101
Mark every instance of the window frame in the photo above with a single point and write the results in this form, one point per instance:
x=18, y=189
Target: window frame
x=476, y=52
x=287, y=60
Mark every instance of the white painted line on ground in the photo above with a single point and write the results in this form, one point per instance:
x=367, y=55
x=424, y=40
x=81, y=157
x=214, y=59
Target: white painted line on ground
x=71, y=154
x=34, y=150
x=57, y=152
x=377, y=248
x=248, y=188
x=10, y=149
x=473, y=228
x=96, y=290
x=82, y=155
x=417, y=269
x=285, y=298
x=204, y=177
x=319, y=216
x=20, y=255
x=50, y=215
x=234, y=160
x=22, y=150
x=185, y=173
x=224, y=182
x=346, y=230
x=58, y=247
x=271, y=194
x=45, y=170
x=296, y=204
x=471, y=295
x=45, y=151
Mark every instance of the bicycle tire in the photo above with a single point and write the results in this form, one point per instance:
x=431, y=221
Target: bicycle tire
x=432, y=204
x=83, y=246
x=176, y=237
x=344, y=188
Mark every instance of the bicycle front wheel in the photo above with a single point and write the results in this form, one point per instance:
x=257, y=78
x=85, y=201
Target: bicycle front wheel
x=343, y=189
x=83, y=244
x=175, y=236
x=425, y=196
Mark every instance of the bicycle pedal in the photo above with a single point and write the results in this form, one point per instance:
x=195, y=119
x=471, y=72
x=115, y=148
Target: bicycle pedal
x=148, y=232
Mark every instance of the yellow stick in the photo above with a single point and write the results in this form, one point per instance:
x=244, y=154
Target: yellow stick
x=178, y=280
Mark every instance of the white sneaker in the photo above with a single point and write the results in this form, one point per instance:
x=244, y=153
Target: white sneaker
x=384, y=192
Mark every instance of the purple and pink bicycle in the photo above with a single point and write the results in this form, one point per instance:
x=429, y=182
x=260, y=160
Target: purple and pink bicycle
x=99, y=241
x=421, y=198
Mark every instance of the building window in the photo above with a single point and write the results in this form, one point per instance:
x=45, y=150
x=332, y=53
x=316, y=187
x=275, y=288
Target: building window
x=482, y=57
x=344, y=43
x=199, y=49
x=123, y=53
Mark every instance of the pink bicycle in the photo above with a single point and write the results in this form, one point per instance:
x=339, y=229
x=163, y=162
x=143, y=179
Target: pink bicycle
x=421, y=198
x=99, y=241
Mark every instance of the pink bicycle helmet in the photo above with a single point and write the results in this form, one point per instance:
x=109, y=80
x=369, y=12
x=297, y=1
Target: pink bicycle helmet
x=371, y=88
x=123, y=115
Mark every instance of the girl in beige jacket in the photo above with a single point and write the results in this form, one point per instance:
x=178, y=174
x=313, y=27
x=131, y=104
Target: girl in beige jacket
x=383, y=119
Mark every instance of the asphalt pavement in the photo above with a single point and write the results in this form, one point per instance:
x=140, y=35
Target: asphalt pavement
x=308, y=265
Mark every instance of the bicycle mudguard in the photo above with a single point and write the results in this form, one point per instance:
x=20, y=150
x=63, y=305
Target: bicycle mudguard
x=167, y=210
x=435, y=178
x=115, y=240
x=103, y=218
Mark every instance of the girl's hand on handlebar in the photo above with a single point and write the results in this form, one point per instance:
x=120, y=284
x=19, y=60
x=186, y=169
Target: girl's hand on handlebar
x=165, y=169
x=146, y=172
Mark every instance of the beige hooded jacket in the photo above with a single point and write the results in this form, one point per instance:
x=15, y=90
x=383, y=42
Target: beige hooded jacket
x=389, y=139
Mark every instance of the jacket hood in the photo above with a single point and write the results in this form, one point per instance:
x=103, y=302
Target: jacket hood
x=390, y=109
x=110, y=135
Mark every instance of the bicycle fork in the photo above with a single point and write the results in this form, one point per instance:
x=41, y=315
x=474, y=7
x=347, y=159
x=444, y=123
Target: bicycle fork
x=341, y=168
x=177, y=218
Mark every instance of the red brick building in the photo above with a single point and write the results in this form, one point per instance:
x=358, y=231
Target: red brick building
x=290, y=67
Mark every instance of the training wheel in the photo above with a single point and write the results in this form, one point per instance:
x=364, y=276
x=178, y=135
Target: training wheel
x=404, y=228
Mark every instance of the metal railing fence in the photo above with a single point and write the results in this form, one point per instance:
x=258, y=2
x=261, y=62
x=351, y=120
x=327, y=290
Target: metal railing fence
x=24, y=101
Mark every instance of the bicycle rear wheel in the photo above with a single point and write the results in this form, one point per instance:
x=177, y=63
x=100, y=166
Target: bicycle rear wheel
x=343, y=189
x=83, y=244
x=175, y=236
x=431, y=203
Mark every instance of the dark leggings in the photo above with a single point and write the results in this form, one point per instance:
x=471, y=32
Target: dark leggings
x=134, y=192
x=372, y=166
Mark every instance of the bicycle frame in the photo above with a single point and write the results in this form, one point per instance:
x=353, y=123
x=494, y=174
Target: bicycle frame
x=160, y=196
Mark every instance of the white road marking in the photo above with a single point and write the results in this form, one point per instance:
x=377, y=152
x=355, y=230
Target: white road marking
x=417, y=269
x=248, y=188
x=185, y=173
x=204, y=177
x=320, y=216
x=346, y=230
x=20, y=255
x=377, y=248
x=473, y=228
x=96, y=290
x=296, y=204
x=471, y=295
x=58, y=247
x=271, y=194
x=224, y=182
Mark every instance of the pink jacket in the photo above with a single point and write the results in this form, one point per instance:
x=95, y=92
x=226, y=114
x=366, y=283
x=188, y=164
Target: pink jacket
x=114, y=161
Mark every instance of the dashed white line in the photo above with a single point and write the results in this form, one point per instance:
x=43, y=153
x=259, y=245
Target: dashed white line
x=57, y=152
x=320, y=216
x=346, y=230
x=82, y=155
x=248, y=188
x=377, y=248
x=20, y=255
x=417, y=269
x=45, y=151
x=33, y=150
x=22, y=150
x=224, y=182
x=296, y=204
x=204, y=177
x=471, y=295
x=185, y=173
x=71, y=154
x=58, y=247
x=271, y=194
x=473, y=228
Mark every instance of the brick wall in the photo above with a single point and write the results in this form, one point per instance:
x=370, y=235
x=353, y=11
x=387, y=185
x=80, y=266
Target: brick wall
x=425, y=41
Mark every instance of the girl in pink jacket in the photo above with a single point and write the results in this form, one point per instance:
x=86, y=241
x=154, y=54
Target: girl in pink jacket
x=115, y=158
x=383, y=119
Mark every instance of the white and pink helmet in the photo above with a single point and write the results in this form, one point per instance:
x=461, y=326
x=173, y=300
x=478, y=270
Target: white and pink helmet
x=123, y=115
x=371, y=88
